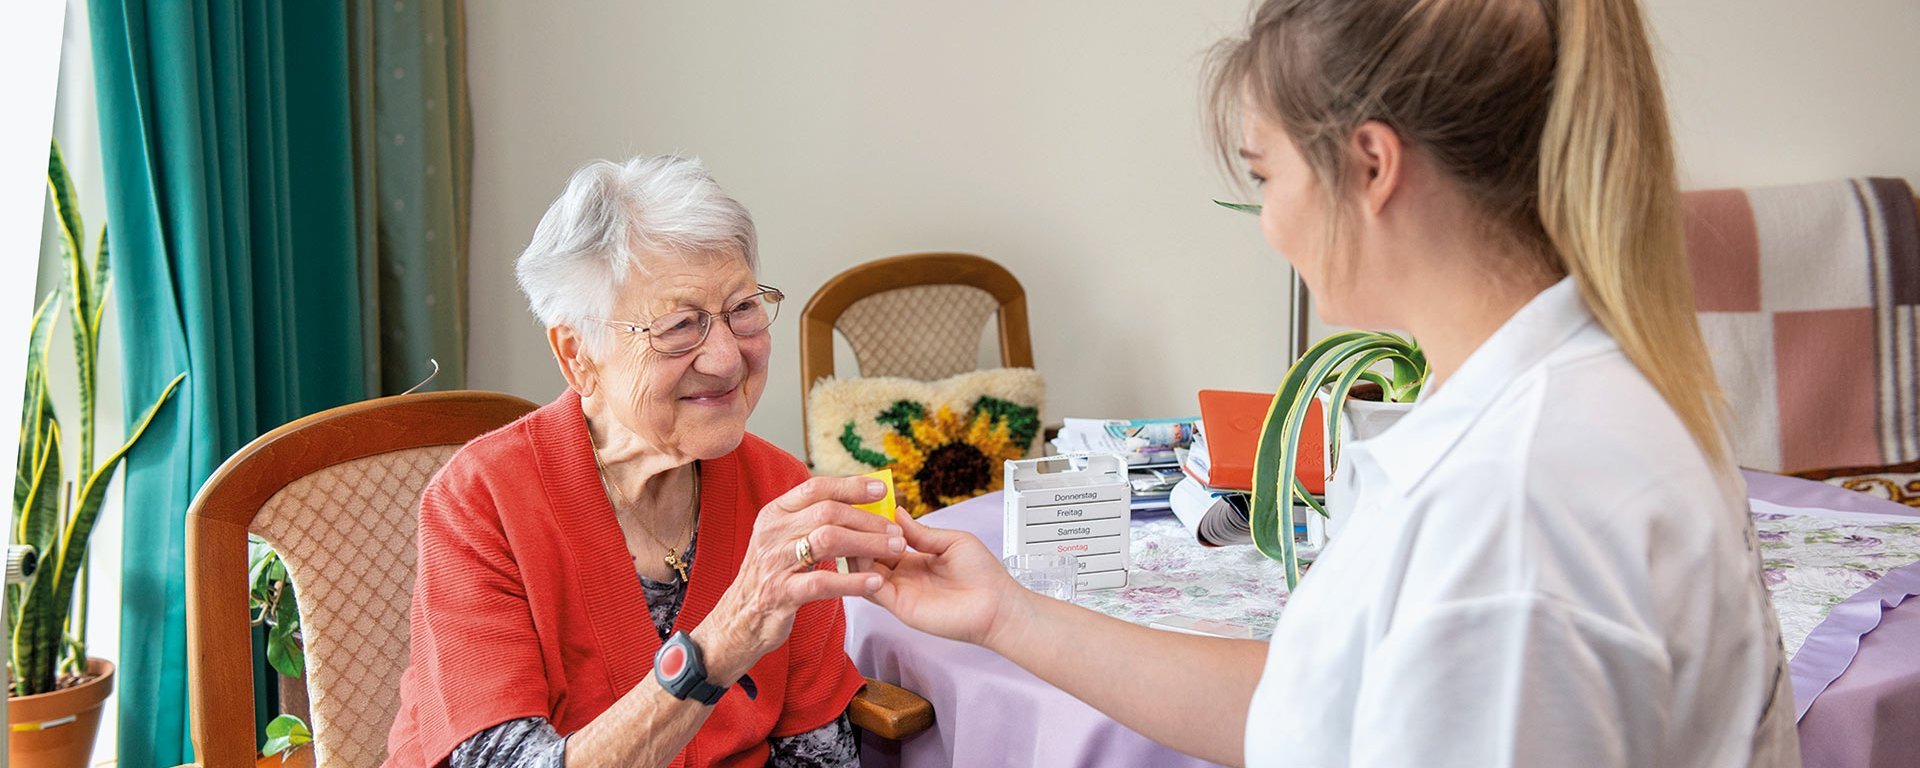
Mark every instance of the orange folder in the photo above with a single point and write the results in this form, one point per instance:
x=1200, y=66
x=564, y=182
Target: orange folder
x=1231, y=422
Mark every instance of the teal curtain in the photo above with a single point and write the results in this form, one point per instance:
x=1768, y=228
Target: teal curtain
x=267, y=241
x=230, y=200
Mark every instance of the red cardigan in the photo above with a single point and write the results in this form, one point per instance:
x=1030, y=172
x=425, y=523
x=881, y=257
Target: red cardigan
x=526, y=603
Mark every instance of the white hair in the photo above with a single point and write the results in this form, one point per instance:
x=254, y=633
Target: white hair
x=597, y=231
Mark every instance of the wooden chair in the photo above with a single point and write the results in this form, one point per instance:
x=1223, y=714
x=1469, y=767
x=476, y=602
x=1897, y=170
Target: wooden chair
x=918, y=316
x=336, y=494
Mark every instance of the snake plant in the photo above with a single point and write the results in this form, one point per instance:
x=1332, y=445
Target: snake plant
x=1339, y=362
x=49, y=629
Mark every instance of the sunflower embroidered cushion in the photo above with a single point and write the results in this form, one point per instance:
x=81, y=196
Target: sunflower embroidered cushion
x=945, y=440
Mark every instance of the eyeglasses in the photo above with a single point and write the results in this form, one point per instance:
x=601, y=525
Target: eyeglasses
x=677, y=333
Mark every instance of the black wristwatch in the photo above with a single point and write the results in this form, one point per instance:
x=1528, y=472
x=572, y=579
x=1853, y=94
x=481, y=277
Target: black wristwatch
x=681, y=670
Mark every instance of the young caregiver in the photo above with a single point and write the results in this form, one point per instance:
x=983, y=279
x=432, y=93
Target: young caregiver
x=1548, y=561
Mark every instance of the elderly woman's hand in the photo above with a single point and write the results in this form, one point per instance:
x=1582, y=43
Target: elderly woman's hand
x=756, y=613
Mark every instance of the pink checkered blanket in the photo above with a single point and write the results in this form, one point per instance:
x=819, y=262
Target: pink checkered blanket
x=1809, y=299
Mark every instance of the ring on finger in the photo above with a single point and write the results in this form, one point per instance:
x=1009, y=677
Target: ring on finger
x=803, y=551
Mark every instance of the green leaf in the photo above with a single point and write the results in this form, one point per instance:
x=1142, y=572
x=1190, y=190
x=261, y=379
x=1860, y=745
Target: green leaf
x=66, y=210
x=40, y=519
x=285, y=734
x=277, y=654
x=282, y=726
x=1374, y=377
x=75, y=540
x=73, y=652
x=287, y=610
x=1023, y=421
x=275, y=746
x=81, y=294
x=262, y=584
x=850, y=440
x=901, y=415
x=1272, y=512
x=36, y=409
x=85, y=350
x=1410, y=374
x=257, y=570
x=102, y=274
x=283, y=651
x=1253, y=208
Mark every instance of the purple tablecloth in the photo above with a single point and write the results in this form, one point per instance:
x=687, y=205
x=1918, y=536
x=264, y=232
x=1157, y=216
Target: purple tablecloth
x=1870, y=714
x=987, y=711
x=990, y=712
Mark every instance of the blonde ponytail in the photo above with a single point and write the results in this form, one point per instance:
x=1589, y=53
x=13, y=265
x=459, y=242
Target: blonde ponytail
x=1610, y=205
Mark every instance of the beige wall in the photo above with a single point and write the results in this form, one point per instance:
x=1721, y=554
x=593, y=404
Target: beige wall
x=1781, y=91
x=1061, y=139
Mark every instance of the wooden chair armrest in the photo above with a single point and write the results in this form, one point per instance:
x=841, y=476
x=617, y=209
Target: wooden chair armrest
x=889, y=711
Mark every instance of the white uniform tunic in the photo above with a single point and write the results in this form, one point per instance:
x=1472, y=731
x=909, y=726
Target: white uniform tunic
x=1538, y=567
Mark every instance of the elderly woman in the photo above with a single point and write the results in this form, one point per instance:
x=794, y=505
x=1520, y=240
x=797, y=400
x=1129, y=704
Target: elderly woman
x=625, y=575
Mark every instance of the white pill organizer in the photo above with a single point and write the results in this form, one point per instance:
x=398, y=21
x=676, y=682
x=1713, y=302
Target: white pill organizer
x=1072, y=505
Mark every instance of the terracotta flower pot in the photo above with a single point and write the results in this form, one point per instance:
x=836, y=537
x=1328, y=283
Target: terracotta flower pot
x=66, y=722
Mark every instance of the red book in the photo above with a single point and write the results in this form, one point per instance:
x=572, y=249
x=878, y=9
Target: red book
x=1231, y=422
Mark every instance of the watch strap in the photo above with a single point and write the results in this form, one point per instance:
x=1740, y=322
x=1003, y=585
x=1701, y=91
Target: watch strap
x=705, y=692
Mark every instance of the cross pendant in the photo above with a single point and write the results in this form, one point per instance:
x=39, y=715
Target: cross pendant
x=678, y=565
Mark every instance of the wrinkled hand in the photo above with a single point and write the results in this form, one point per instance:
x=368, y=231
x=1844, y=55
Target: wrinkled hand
x=950, y=585
x=756, y=612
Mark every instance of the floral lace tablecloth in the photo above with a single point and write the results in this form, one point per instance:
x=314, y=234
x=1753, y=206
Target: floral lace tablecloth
x=1173, y=574
x=1813, y=560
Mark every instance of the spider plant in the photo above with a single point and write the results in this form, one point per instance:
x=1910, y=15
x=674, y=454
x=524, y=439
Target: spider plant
x=1338, y=362
x=49, y=630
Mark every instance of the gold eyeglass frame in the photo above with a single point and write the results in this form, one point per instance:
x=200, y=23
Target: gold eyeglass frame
x=767, y=295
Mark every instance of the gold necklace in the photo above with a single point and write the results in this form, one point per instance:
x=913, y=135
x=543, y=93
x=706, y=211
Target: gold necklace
x=672, y=559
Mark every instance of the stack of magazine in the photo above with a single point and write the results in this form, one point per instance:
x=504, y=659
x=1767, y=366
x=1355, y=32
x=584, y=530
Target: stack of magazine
x=1214, y=499
x=1152, y=448
x=1220, y=517
x=1216, y=517
x=1170, y=467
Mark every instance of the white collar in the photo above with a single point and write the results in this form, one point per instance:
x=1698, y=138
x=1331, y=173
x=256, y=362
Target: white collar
x=1409, y=449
